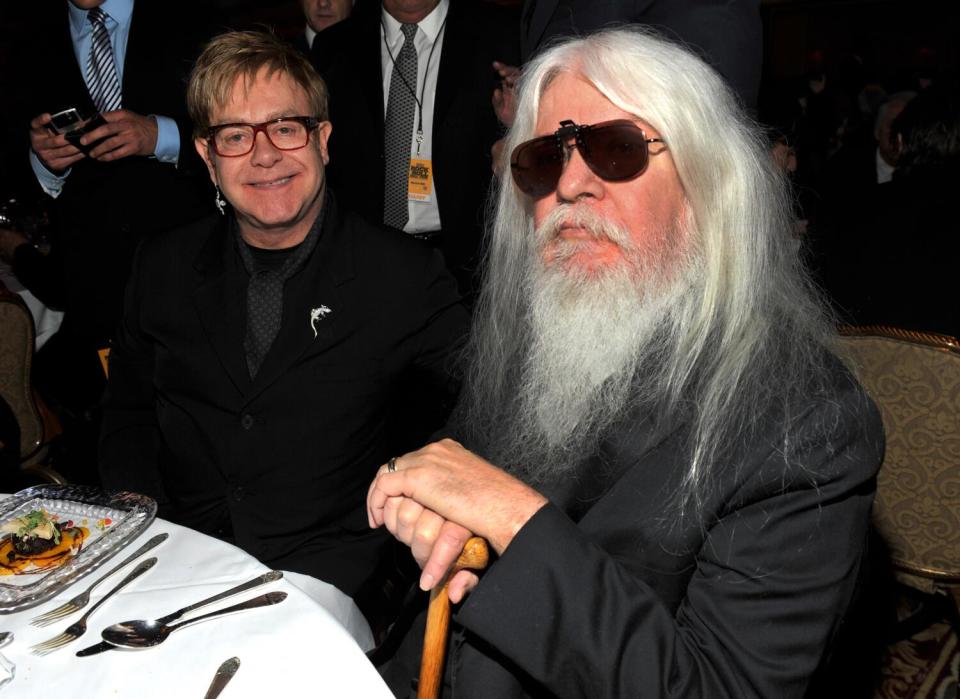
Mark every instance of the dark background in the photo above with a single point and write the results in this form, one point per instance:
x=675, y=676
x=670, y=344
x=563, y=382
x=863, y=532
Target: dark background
x=863, y=41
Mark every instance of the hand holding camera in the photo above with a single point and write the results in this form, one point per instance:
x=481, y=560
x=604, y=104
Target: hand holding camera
x=123, y=133
x=52, y=147
x=105, y=137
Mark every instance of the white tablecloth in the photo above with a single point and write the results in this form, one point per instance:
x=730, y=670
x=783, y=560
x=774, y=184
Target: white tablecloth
x=307, y=646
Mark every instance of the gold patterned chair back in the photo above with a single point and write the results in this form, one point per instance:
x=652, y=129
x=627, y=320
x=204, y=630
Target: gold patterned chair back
x=16, y=357
x=914, y=378
x=38, y=425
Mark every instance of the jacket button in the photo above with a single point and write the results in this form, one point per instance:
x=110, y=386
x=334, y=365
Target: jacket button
x=238, y=493
x=247, y=421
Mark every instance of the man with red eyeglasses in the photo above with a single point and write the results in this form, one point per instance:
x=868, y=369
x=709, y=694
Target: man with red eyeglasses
x=674, y=472
x=253, y=381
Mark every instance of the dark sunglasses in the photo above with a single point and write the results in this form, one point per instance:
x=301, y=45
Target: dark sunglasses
x=613, y=150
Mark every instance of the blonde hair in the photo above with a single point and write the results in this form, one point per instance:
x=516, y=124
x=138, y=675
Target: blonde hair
x=246, y=53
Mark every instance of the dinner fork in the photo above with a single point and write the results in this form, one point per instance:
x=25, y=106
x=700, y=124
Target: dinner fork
x=79, y=627
x=81, y=600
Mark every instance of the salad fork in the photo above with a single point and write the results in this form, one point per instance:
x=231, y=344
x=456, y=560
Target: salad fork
x=81, y=600
x=79, y=627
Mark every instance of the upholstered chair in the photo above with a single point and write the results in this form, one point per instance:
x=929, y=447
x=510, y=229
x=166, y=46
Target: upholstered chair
x=37, y=425
x=914, y=378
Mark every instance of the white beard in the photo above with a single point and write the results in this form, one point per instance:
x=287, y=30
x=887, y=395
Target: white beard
x=596, y=341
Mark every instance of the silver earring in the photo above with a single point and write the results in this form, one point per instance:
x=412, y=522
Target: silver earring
x=220, y=203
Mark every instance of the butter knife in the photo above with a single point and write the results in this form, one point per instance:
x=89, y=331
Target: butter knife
x=249, y=585
x=225, y=673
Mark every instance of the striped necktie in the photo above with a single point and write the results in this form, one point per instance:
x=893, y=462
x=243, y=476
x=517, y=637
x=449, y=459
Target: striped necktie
x=102, y=80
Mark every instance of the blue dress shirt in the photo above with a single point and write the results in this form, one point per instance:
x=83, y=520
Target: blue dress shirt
x=118, y=17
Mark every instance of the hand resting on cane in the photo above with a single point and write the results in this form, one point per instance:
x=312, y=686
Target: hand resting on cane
x=440, y=496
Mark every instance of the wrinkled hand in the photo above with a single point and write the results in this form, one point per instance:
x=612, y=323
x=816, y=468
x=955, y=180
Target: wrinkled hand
x=127, y=133
x=434, y=542
x=53, y=149
x=9, y=242
x=505, y=97
x=442, y=494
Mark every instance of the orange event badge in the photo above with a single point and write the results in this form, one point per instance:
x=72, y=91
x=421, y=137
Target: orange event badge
x=420, y=180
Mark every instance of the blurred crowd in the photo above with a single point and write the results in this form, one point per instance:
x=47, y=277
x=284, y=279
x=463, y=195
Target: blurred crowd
x=873, y=152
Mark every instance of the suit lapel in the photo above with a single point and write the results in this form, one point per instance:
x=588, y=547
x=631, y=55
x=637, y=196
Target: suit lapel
x=370, y=72
x=220, y=302
x=630, y=441
x=71, y=78
x=538, y=21
x=138, y=51
x=369, y=77
x=454, y=54
x=312, y=303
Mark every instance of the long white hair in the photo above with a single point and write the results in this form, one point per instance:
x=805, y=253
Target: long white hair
x=753, y=338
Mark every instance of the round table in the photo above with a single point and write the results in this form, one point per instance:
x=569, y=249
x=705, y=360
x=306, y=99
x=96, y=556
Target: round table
x=311, y=644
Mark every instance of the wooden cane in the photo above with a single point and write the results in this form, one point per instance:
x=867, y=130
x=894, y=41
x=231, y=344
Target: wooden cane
x=474, y=557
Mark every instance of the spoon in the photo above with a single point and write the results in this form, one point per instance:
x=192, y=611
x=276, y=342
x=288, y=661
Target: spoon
x=225, y=673
x=268, y=577
x=144, y=633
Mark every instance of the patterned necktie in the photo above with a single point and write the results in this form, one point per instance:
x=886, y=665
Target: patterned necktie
x=102, y=79
x=265, y=294
x=398, y=128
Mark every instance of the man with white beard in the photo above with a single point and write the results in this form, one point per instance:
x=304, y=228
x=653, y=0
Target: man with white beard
x=674, y=472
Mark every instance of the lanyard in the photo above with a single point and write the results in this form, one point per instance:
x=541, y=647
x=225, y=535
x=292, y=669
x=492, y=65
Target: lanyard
x=426, y=70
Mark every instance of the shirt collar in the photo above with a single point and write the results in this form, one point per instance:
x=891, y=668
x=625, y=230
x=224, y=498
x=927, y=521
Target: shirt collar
x=310, y=34
x=119, y=11
x=429, y=25
x=884, y=169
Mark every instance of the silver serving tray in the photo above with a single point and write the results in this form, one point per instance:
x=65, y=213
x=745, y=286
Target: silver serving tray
x=130, y=514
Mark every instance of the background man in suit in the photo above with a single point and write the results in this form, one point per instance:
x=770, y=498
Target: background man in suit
x=134, y=175
x=414, y=120
x=674, y=471
x=320, y=15
x=254, y=377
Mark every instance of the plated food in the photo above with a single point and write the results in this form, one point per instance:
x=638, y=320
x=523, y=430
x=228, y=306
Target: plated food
x=92, y=526
x=37, y=542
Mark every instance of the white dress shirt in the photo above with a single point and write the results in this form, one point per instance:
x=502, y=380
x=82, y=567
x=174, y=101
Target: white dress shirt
x=884, y=169
x=424, y=216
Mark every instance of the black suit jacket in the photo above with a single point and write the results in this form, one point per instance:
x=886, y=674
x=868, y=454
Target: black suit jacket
x=106, y=208
x=607, y=592
x=464, y=124
x=728, y=35
x=299, y=42
x=279, y=464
